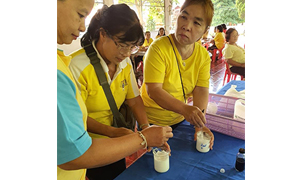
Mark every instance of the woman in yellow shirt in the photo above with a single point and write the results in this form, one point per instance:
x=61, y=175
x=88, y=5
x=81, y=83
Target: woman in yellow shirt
x=234, y=54
x=160, y=33
x=148, y=40
x=76, y=150
x=172, y=58
x=219, y=40
x=113, y=37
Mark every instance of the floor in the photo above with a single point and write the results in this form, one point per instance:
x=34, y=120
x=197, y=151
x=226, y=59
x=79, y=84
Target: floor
x=217, y=71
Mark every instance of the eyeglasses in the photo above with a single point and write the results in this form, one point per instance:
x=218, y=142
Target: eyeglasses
x=124, y=49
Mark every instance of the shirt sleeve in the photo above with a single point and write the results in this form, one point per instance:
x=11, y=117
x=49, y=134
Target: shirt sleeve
x=72, y=139
x=217, y=37
x=204, y=71
x=227, y=52
x=80, y=77
x=154, y=68
x=133, y=90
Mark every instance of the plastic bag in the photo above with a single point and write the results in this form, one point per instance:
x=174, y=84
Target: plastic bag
x=234, y=93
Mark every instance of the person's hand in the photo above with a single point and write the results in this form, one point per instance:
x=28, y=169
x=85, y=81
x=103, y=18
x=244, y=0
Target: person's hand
x=149, y=149
x=205, y=130
x=118, y=132
x=156, y=136
x=194, y=116
x=165, y=147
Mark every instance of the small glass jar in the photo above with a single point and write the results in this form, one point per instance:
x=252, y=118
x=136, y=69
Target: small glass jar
x=161, y=160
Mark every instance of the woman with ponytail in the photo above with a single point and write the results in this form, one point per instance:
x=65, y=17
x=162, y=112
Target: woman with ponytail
x=115, y=33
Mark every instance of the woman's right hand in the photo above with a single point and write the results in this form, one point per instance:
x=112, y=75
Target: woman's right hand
x=194, y=115
x=156, y=136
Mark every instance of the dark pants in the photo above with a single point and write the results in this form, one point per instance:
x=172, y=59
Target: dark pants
x=137, y=60
x=212, y=47
x=174, y=126
x=108, y=172
x=238, y=70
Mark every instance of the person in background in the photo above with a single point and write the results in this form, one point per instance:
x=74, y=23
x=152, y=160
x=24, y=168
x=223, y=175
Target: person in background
x=76, y=150
x=160, y=33
x=148, y=40
x=218, y=41
x=138, y=60
x=224, y=28
x=115, y=32
x=162, y=90
x=234, y=54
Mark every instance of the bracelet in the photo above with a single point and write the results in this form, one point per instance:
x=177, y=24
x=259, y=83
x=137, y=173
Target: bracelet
x=144, y=125
x=144, y=140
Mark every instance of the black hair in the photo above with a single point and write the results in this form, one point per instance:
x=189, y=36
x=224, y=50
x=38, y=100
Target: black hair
x=224, y=26
x=160, y=29
x=219, y=27
x=228, y=33
x=114, y=20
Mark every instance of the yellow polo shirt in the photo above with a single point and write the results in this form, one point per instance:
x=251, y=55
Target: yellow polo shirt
x=219, y=40
x=160, y=66
x=146, y=42
x=158, y=36
x=236, y=53
x=123, y=86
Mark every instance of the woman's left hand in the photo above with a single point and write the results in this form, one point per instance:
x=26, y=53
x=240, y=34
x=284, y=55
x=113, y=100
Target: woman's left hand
x=206, y=130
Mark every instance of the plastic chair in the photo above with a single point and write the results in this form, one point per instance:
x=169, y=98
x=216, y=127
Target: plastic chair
x=206, y=45
x=215, y=53
x=230, y=75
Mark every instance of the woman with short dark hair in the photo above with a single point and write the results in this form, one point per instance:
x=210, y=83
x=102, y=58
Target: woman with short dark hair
x=234, y=54
x=218, y=41
x=176, y=67
x=115, y=33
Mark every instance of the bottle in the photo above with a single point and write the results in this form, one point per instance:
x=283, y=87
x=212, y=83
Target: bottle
x=240, y=160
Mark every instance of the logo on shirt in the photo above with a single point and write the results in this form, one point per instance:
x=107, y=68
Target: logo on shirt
x=123, y=84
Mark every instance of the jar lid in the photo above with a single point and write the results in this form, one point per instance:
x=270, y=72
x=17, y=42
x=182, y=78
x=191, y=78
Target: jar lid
x=242, y=150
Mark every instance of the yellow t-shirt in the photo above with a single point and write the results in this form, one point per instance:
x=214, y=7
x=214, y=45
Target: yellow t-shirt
x=123, y=86
x=62, y=65
x=158, y=36
x=146, y=42
x=219, y=40
x=236, y=53
x=161, y=67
